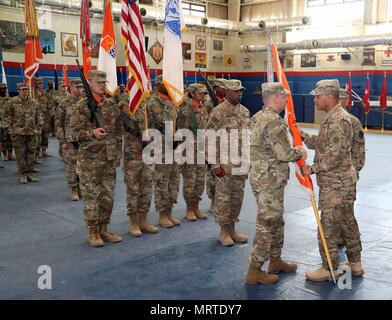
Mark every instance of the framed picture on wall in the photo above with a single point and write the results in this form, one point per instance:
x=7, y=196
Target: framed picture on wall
x=200, y=42
x=200, y=60
x=69, y=44
x=308, y=60
x=217, y=45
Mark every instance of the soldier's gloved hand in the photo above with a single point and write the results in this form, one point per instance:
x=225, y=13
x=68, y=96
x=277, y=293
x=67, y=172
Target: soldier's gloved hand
x=99, y=133
x=304, y=154
x=219, y=172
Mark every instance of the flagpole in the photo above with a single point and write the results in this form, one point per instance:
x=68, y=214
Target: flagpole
x=322, y=236
x=366, y=121
x=382, y=122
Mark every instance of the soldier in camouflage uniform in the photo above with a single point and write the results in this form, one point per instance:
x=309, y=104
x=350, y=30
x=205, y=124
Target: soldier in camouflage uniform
x=166, y=176
x=229, y=188
x=336, y=178
x=220, y=94
x=45, y=109
x=98, y=156
x=358, y=149
x=68, y=144
x=23, y=121
x=122, y=95
x=271, y=153
x=192, y=115
x=51, y=93
x=60, y=95
x=138, y=176
x=5, y=138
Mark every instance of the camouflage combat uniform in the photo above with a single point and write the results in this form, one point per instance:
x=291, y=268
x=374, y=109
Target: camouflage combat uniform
x=50, y=95
x=67, y=142
x=96, y=159
x=229, y=189
x=336, y=178
x=5, y=138
x=44, y=107
x=193, y=174
x=166, y=176
x=270, y=154
x=58, y=97
x=23, y=121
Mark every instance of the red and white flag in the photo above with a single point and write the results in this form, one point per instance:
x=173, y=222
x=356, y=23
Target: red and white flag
x=350, y=91
x=383, y=97
x=132, y=32
x=65, y=76
x=85, y=35
x=366, y=96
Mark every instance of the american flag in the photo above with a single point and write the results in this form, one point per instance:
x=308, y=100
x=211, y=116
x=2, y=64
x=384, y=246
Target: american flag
x=132, y=32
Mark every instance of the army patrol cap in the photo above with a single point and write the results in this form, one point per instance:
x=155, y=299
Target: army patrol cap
x=62, y=84
x=233, y=85
x=22, y=86
x=97, y=76
x=219, y=82
x=197, y=88
x=50, y=82
x=38, y=80
x=268, y=88
x=158, y=78
x=343, y=93
x=76, y=82
x=3, y=85
x=324, y=86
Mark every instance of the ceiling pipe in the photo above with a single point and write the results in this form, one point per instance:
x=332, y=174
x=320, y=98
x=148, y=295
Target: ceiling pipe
x=155, y=13
x=362, y=41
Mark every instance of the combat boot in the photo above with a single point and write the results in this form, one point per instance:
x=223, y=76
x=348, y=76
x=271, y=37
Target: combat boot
x=277, y=265
x=1, y=163
x=199, y=213
x=106, y=235
x=134, y=229
x=23, y=178
x=211, y=209
x=31, y=178
x=10, y=156
x=45, y=154
x=173, y=219
x=190, y=213
x=321, y=274
x=237, y=237
x=79, y=192
x=93, y=236
x=74, y=194
x=356, y=268
x=255, y=276
x=164, y=221
x=35, y=170
x=5, y=158
x=224, y=236
x=146, y=227
x=37, y=161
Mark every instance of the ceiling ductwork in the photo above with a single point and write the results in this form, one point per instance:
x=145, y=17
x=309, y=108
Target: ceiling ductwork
x=362, y=41
x=155, y=13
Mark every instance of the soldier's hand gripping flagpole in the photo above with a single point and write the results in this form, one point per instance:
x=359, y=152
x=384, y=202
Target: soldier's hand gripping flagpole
x=305, y=181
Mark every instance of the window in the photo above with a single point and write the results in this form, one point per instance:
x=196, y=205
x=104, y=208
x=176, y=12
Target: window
x=193, y=9
x=335, y=12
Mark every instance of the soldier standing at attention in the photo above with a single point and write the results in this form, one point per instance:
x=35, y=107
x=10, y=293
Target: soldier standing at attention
x=50, y=93
x=138, y=176
x=23, y=121
x=60, y=95
x=6, y=142
x=98, y=156
x=68, y=145
x=229, y=188
x=271, y=153
x=122, y=95
x=192, y=115
x=166, y=175
x=336, y=178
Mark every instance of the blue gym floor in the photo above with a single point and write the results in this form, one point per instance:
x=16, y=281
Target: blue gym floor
x=40, y=226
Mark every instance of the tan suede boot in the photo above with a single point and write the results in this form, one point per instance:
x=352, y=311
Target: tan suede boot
x=164, y=221
x=255, y=276
x=10, y=156
x=94, y=237
x=23, y=178
x=224, y=236
x=237, y=237
x=146, y=227
x=35, y=170
x=134, y=229
x=277, y=265
x=173, y=219
x=321, y=274
x=190, y=213
x=45, y=154
x=74, y=194
x=356, y=268
x=31, y=178
x=107, y=236
x=199, y=213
